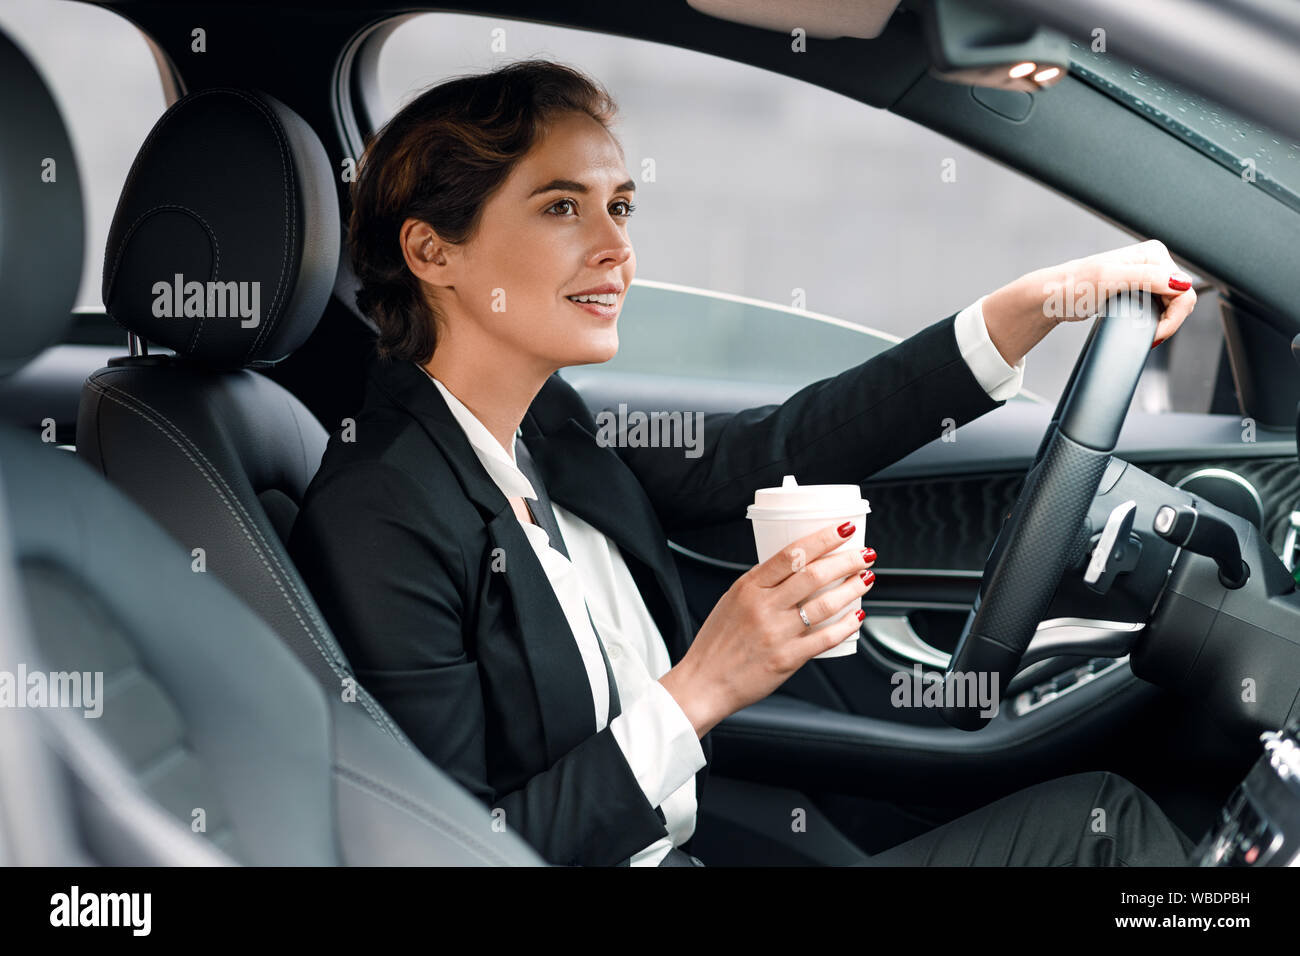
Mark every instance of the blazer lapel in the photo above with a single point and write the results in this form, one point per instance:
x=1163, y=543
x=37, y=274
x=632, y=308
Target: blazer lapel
x=593, y=482
x=559, y=674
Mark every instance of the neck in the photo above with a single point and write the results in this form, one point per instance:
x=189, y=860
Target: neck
x=496, y=385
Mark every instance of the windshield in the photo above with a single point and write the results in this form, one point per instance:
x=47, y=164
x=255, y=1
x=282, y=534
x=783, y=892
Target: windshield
x=1268, y=159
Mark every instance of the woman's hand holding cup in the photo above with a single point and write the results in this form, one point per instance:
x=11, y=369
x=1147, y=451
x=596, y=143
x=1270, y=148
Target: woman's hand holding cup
x=755, y=638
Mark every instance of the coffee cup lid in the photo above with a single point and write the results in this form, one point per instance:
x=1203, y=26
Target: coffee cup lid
x=793, y=500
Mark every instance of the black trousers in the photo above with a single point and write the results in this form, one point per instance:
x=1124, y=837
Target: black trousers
x=1085, y=819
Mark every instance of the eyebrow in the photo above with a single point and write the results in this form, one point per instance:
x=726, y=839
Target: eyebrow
x=570, y=185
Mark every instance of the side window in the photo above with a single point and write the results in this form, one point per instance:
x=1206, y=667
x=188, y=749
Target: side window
x=800, y=201
x=107, y=84
x=679, y=331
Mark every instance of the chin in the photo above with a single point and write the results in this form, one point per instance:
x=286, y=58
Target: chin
x=595, y=352
x=588, y=359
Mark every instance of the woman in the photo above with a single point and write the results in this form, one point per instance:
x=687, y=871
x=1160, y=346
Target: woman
x=501, y=580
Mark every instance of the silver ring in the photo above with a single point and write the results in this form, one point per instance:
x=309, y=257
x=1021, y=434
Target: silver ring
x=804, y=618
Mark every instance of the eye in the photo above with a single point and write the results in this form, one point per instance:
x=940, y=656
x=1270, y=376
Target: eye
x=630, y=207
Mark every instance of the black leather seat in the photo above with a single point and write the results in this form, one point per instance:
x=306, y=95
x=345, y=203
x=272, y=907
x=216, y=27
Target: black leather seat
x=230, y=186
x=214, y=744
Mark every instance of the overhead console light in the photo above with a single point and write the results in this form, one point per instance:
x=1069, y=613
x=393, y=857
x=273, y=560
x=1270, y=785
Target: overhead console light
x=971, y=44
x=822, y=19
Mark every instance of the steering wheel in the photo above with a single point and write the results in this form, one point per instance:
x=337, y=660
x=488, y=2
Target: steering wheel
x=1042, y=536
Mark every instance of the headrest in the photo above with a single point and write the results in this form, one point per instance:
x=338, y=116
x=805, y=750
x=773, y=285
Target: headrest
x=42, y=230
x=225, y=242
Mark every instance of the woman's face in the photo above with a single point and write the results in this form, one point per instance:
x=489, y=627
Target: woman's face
x=556, y=228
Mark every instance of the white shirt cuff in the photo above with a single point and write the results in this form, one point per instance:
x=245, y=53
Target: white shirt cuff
x=991, y=370
x=659, y=743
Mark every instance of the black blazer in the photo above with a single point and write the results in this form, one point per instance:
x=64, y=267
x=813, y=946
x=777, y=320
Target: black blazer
x=397, y=539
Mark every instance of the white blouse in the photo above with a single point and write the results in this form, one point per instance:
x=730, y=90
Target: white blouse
x=657, y=739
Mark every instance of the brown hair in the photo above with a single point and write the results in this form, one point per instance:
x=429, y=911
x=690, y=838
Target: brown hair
x=439, y=160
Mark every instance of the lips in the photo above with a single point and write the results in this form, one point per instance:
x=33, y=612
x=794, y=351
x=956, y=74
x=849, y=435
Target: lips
x=613, y=287
x=599, y=309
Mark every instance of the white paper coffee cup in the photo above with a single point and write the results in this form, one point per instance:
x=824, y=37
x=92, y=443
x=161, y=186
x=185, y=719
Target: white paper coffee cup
x=788, y=513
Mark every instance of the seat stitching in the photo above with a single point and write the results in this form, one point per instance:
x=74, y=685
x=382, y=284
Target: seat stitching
x=425, y=814
x=139, y=156
x=290, y=230
x=334, y=664
x=124, y=398
x=158, y=127
x=290, y=215
x=212, y=234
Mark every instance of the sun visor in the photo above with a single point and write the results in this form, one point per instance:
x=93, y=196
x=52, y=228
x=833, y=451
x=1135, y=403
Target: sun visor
x=821, y=19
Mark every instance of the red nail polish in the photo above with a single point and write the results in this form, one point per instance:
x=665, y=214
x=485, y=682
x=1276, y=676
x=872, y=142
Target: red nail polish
x=868, y=576
x=1182, y=285
x=868, y=555
x=845, y=529
x=861, y=614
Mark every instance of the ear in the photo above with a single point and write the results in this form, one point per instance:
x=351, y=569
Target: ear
x=427, y=255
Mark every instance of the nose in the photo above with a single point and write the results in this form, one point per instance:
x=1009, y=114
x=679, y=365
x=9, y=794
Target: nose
x=612, y=246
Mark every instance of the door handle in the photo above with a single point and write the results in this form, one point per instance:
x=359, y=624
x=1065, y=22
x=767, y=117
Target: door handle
x=895, y=633
x=1058, y=636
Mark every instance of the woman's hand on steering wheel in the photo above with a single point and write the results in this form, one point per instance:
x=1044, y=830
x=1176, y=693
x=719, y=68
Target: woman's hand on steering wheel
x=1020, y=313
